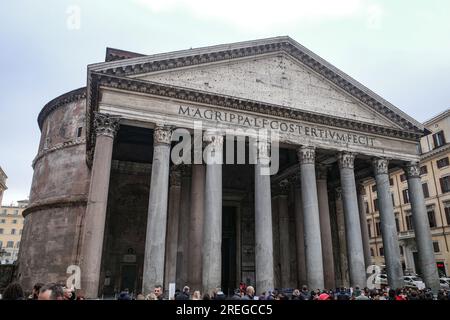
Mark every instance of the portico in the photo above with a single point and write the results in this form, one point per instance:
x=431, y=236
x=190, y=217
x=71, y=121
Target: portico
x=326, y=131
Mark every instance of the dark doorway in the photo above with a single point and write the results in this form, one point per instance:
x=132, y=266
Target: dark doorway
x=128, y=277
x=228, y=249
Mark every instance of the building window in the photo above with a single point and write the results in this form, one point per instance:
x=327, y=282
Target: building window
x=436, y=246
x=372, y=253
x=405, y=196
x=402, y=177
x=14, y=221
x=13, y=231
x=377, y=228
x=3, y=221
x=442, y=162
x=438, y=139
x=445, y=184
x=369, y=229
x=17, y=244
x=375, y=204
x=431, y=217
x=366, y=207
x=381, y=251
x=401, y=250
x=10, y=244
x=393, y=200
x=447, y=212
x=423, y=170
x=16, y=212
x=79, y=131
x=1, y=244
x=1, y=231
x=391, y=181
x=426, y=192
x=5, y=211
x=374, y=188
x=409, y=223
x=397, y=222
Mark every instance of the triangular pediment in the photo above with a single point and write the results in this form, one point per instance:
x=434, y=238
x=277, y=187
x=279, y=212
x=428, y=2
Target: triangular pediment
x=276, y=79
x=276, y=71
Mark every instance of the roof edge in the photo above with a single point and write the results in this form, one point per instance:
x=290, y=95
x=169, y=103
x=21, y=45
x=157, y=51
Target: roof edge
x=57, y=102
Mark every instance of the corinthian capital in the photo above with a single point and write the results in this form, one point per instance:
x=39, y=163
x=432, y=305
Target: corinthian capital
x=346, y=160
x=412, y=170
x=105, y=124
x=380, y=166
x=162, y=135
x=214, y=140
x=306, y=154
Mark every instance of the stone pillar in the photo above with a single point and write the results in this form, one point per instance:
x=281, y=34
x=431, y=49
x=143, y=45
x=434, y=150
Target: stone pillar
x=387, y=225
x=344, y=280
x=212, y=227
x=364, y=230
x=196, y=227
x=283, y=225
x=105, y=127
x=276, y=241
x=263, y=224
x=422, y=231
x=325, y=228
x=300, y=237
x=183, y=227
x=172, y=227
x=157, y=211
x=409, y=258
x=313, y=245
x=355, y=250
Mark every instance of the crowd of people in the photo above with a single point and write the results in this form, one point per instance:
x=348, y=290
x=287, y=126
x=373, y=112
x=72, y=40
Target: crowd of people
x=248, y=293
x=54, y=291
x=40, y=291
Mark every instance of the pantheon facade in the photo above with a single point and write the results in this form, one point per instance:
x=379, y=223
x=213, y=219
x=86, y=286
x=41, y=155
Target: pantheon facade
x=108, y=198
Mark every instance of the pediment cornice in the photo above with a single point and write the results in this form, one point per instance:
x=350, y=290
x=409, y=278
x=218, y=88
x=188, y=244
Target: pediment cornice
x=165, y=62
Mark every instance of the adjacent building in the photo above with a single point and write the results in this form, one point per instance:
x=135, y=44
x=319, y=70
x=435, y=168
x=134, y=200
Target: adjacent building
x=435, y=179
x=11, y=226
x=3, y=187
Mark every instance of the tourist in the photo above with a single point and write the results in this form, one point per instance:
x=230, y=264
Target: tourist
x=250, y=293
x=35, y=293
x=159, y=292
x=196, y=295
x=13, y=292
x=51, y=291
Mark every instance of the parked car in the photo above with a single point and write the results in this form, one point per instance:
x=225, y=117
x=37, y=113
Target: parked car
x=414, y=282
x=444, y=283
x=381, y=279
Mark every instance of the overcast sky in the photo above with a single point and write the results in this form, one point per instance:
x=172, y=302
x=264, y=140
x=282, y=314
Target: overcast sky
x=399, y=49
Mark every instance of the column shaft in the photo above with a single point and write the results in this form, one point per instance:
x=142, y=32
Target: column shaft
x=285, y=260
x=342, y=235
x=172, y=228
x=157, y=211
x=355, y=250
x=325, y=229
x=364, y=230
x=263, y=231
x=300, y=237
x=94, y=221
x=212, y=228
x=313, y=245
x=387, y=225
x=183, y=227
x=196, y=226
x=422, y=231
